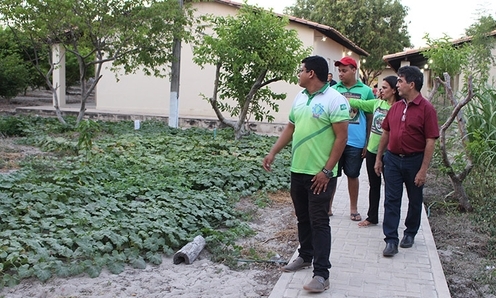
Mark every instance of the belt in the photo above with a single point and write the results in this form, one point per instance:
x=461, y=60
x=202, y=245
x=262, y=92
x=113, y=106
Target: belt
x=406, y=155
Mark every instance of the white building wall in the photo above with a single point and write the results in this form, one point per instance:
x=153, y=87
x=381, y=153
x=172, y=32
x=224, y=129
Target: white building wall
x=426, y=88
x=385, y=73
x=492, y=72
x=142, y=94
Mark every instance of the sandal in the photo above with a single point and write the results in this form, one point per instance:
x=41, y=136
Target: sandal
x=365, y=223
x=355, y=217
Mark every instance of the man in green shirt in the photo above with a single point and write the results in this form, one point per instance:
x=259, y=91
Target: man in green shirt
x=318, y=129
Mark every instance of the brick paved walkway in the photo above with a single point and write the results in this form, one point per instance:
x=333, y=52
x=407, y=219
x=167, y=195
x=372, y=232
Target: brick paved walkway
x=358, y=267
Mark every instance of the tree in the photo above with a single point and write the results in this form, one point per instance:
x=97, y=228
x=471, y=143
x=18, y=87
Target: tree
x=14, y=71
x=456, y=172
x=474, y=60
x=480, y=58
x=250, y=51
x=25, y=74
x=13, y=75
x=444, y=56
x=133, y=34
x=377, y=26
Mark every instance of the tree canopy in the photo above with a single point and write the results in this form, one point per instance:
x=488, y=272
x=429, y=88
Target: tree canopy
x=16, y=59
x=133, y=34
x=14, y=74
x=377, y=26
x=472, y=58
x=250, y=51
x=481, y=59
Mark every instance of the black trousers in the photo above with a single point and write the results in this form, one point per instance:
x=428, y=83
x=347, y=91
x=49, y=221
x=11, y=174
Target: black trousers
x=314, y=231
x=374, y=188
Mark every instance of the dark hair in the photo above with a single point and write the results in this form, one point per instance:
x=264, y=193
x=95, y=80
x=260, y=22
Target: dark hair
x=392, y=80
x=319, y=65
x=412, y=74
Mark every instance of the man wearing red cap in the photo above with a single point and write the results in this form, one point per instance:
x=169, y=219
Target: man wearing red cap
x=358, y=130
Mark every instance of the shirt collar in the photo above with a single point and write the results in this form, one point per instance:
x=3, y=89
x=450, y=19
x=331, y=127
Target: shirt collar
x=417, y=99
x=357, y=84
x=321, y=90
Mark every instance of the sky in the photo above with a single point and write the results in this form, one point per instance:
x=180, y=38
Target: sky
x=435, y=17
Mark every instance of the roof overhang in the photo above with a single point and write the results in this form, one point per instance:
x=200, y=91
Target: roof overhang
x=415, y=57
x=324, y=29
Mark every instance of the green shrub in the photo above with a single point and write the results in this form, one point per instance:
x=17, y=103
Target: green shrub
x=481, y=188
x=481, y=111
x=12, y=126
x=138, y=195
x=14, y=76
x=481, y=183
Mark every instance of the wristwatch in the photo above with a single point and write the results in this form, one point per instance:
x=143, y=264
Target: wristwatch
x=327, y=173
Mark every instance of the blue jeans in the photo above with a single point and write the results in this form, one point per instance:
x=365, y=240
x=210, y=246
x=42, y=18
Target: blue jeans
x=398, y=171
x=350, y=162
x=314, y=232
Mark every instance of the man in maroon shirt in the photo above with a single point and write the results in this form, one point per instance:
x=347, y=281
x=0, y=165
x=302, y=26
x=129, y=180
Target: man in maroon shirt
x=410, y=130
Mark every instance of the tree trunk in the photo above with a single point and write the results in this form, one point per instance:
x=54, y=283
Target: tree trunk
x=85, y=93
x=239, y=132
x=56, y=105
x=239, y=125
x=456, y=179
x=460, y=194
x=58, y=113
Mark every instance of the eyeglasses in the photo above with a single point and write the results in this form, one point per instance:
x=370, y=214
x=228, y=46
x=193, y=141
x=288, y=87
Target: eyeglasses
x=302, y=70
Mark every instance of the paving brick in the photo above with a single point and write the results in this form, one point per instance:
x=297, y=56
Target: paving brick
x=358, y=267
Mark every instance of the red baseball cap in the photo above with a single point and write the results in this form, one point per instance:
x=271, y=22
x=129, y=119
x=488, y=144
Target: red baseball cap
x=346, y=61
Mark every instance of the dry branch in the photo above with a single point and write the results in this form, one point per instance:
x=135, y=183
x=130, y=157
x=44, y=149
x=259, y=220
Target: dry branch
x=456, y=114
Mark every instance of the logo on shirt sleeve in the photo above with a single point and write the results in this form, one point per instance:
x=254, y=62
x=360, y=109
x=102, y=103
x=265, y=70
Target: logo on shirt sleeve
x=343, y=107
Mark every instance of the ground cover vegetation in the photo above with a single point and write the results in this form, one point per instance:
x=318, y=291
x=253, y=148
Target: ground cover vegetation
x=106, y=195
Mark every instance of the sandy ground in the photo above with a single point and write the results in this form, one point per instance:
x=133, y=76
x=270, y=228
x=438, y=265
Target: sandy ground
x=200, y=279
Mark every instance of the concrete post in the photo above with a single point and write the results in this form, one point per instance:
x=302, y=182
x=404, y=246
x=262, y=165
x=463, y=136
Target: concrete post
x=404, y=63
x=175, y=81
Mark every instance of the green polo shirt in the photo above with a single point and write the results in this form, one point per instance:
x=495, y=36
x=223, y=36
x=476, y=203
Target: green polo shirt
x=313, y=137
